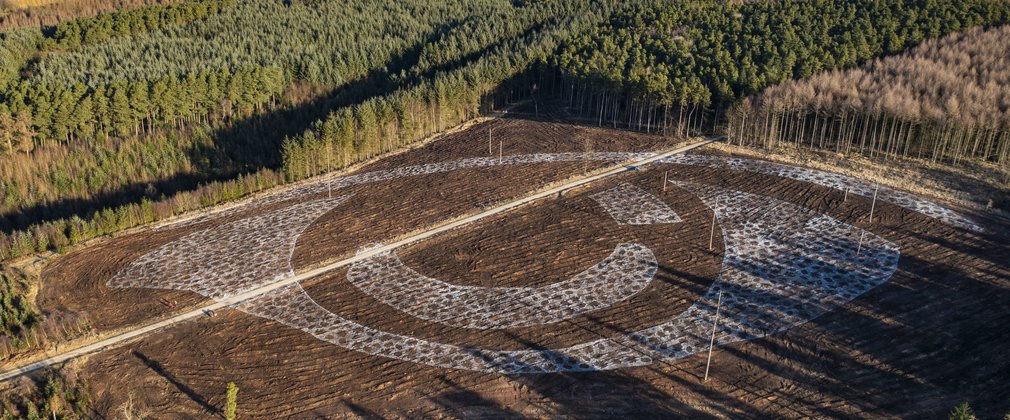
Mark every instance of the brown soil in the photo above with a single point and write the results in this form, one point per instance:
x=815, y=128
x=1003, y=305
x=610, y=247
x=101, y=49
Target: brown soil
x=75, y=283
x=916, y=346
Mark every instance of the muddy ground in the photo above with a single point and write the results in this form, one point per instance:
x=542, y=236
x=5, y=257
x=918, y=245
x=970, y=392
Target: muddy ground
x=931, y=337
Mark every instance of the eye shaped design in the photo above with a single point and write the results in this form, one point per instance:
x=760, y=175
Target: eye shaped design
x=783, y=265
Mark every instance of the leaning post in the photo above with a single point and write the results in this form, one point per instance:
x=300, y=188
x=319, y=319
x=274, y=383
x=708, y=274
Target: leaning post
x=873, y=205
x=860, y=246
x=711, y=233
x=711, y=342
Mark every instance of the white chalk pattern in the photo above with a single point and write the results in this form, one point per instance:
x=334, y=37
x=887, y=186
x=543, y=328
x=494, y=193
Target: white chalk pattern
x=626, y=272
x=831, y=180
x=229, y=259
x=784, y=265
x=630, y=205
x=334, y=184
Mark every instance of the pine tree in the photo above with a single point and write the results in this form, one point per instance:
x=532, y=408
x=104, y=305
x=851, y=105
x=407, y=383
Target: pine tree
x=231, y=394
x=962, y=412
x=24, y=133
x=6, y=130
x=119, y=107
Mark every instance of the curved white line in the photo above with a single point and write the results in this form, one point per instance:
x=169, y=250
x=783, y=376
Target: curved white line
x=229, y=259
x=287, y=282
x=831, y=180
x=784, y=265
x=417, y=170
x=628, y=270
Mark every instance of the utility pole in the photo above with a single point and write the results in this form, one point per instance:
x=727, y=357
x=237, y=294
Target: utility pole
x=711, y=342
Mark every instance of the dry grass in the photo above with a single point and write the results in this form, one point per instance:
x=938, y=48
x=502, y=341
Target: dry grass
x=24, y=4
x=971, y=184
x=24, y=13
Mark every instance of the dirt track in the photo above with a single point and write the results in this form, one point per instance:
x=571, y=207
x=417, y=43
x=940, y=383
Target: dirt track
x=918, y=345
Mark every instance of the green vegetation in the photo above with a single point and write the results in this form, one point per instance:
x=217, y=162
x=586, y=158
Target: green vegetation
x=78, y=32
x=161, y=140
x=658, y=65
x=20, y=13
x=945, y=99
x=22, y=327
x=54, y=397
x=432, y=104
x=119, y=119
x=231, y=395
x=26, y=44
x=130, y=117
x=962, y=412
x=16, y=312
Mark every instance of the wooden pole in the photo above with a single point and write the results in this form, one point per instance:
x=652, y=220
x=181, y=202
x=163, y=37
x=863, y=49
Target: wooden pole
x=499, y=151
x=711, y=234
x=845, y=198
x=329, y=168
x=873, y=205
x=711, y=342
x=665, y=176
x=489, y=151
x=860, y=246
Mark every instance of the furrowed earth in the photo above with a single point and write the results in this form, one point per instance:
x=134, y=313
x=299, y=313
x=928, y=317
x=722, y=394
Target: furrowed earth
x=915, y=345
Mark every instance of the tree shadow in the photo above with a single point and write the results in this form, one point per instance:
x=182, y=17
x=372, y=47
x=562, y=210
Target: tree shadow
x=193, y=395
x=358, y=410
x=242, y=147
x=464, y=402
x=251, y=144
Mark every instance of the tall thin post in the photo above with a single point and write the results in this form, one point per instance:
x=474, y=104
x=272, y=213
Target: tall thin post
x=873, y=205
x=711, y=234
x=489, y=151
x=499, y=151
x=711, y=342
x=329, y=168
x=845, y=198
x=860, y=246
x=665, y=176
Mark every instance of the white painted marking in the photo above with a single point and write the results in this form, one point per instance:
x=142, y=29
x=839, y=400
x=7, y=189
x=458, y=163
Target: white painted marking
x=372, y=177
x=626, y=272
x=831, y=180
x=630, y=205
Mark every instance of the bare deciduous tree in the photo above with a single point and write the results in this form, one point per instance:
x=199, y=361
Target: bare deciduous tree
x=946, y=99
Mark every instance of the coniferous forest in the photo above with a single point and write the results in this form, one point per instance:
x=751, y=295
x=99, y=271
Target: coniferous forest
x=21, y=13
x=112, y=116
x=292, y=208
x=665, y=66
